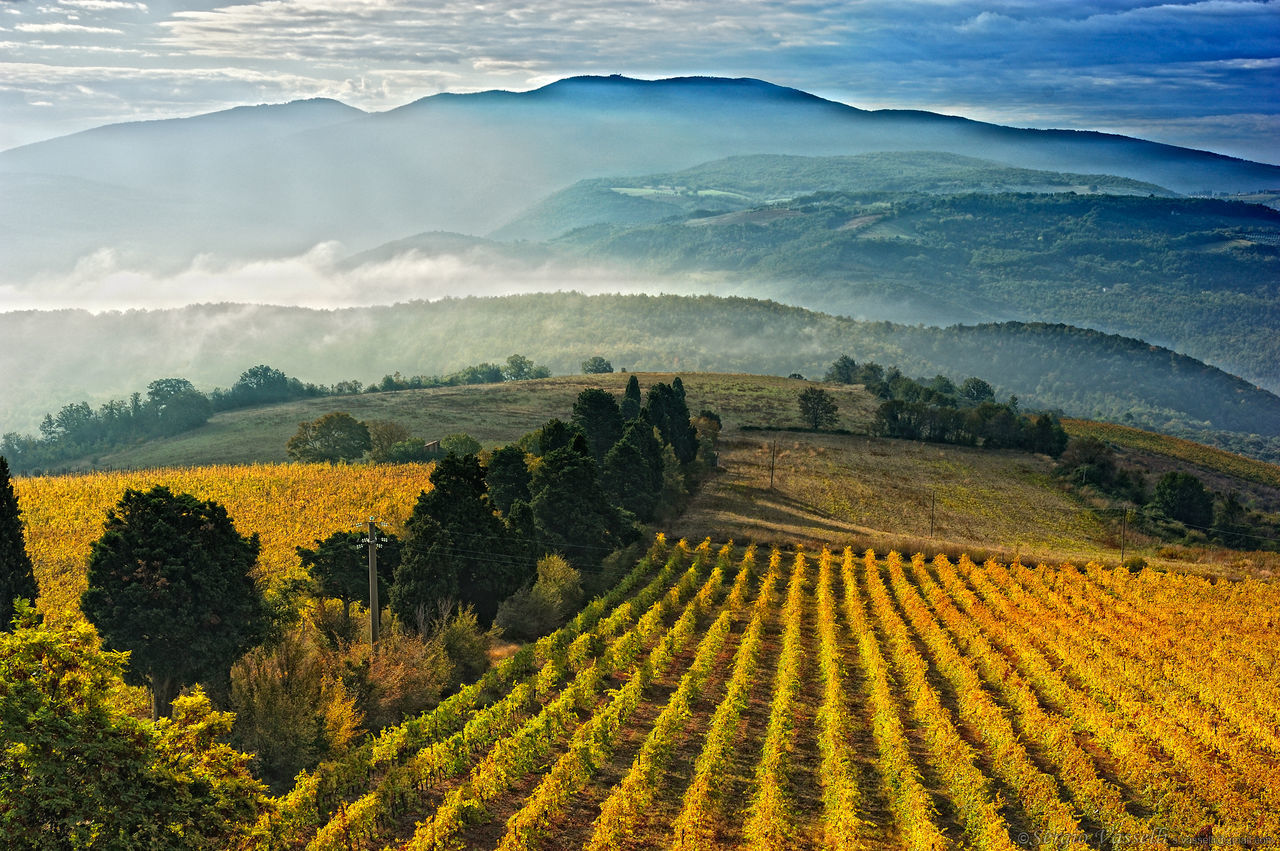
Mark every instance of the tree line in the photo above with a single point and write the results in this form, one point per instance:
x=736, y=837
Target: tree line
x=171, y=406
x=938, y=410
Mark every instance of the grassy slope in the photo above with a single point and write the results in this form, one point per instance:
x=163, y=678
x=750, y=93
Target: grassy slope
x=827, y=488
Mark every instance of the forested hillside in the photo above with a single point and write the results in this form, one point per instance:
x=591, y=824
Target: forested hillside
x=1198, y=275
x=1083, y=373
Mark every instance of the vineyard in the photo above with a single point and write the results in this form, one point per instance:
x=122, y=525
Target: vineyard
x=735, y=698
x=286, y=505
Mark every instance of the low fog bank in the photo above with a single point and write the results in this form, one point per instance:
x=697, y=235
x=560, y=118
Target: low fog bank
x=321, y=278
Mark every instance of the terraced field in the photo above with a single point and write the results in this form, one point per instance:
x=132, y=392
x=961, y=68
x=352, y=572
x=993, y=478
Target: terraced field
x=733, y=698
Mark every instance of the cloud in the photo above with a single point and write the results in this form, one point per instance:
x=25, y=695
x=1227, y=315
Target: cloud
x=1067, y=63
x=104, y=281
x=62, y=27
x=103, y=5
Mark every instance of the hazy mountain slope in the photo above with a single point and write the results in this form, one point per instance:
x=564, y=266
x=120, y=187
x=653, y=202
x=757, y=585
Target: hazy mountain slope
x=1201, y=276
x=737, y=183
x=1083, y=372
x=470, y=163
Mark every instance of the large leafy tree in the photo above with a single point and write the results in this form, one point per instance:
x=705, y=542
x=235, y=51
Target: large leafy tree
x=176, y=405
x=77, y=771
x=334, y=437
x=817, y=408
x=596, y=413
x=171, y=580
x=16, y=576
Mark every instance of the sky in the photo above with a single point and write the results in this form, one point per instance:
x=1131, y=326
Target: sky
x=1203, y=74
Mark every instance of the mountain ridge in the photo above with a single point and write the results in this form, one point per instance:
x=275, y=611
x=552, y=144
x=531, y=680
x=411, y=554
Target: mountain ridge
x=469, y=162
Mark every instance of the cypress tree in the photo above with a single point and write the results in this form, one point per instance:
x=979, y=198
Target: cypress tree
x=631, y=400
x=596, y=413
x=17, y=579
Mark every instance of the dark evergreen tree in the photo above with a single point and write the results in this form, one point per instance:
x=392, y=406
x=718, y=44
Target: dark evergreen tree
x=1231, y=523
x=572, y=512
x=631, y=400
x=843, y=370
x=1047, y=436
x=556, y=434
x=457, y=549
x=670, y=414
x=596, y=413
x=171, y=580
x=627, y=476
x=17, y=579
x=507, y=478
x=339, y=565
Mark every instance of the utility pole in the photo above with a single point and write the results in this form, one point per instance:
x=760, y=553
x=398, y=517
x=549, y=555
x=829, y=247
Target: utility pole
x=1124, y=527
x=374, y=542
x=773, y=454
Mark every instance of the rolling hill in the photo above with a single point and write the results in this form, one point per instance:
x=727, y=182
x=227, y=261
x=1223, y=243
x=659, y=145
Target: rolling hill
x=1201, y=276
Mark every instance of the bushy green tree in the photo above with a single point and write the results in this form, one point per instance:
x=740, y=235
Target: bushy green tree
x=171, y=581
x=176, y=406
x=556, y=434
x=384, y=435
x=632, y=471
x=335, y=437
x=669, y=412
x=817, y=408
x=460, y=443
x=339, y=565
x=843, y=370
x=17, y=579
x=596, y=365
x=976, y=390
x=535, y=611
x=77, y=771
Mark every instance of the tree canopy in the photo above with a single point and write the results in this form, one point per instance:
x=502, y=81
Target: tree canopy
x=171, y=581
x=77, y=771
x=335, y=437
x=1183, y=497
x=817, y=408
x=596, y=413
x=339, y=565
